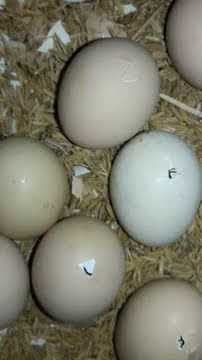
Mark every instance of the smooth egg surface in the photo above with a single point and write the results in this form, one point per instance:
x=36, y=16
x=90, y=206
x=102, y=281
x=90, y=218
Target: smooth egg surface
x=14, y=282
x=33, y=187
x=184, y=40
x=107, y=93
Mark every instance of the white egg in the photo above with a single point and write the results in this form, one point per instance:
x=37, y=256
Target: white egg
x=14, y=282
x=77, y=270
x=155, y=187
x=33, y=187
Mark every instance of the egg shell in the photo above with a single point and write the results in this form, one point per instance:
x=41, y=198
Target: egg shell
x=155, y=187
x=14, y=282
x=33, y=187
x=77, y=270
x=184, y=40
x=107, y=93
x=162, y=320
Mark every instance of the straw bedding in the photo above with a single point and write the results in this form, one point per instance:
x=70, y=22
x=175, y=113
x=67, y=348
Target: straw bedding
x=29, y=109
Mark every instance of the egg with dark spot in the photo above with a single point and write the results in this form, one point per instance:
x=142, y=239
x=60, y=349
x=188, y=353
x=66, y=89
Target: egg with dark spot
x=77, y=270
x=161, y=321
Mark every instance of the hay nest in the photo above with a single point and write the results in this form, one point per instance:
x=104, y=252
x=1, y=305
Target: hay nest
x=27, y=108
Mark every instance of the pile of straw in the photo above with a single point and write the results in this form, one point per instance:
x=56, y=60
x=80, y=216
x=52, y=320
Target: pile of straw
x=28, y=108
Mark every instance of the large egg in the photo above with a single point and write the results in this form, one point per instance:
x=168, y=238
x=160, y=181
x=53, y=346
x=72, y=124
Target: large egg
x=77, y=270
x=184, y=40
x=107, y=93
x=33, y=187
x=155, y=187
x=161, y=321
x=14, y=282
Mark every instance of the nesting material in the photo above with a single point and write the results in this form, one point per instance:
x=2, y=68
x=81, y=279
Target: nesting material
x=129, y=9
x=15, y=83
x=8, y=42
x=80, y=170
x=2, y=4
x=38, y=342
x=2, y=65
x=58, y=30
x=73, y=1
x=79, y=187
x=29, y=110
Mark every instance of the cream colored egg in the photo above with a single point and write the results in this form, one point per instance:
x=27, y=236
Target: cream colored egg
x=184, y=40
x=77, y=270
x=161, y=321
x=107, y=93
x=33, y=187
x=14, y=282
x=155, y=187
x=201, y=183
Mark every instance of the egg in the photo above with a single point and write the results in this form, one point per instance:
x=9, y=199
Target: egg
x=184, y=41
x=162, y=320
x=14, y=282
x=107, y=93
x=155, y=187
x=33, y=187
x=77, y=270
x=201, y=183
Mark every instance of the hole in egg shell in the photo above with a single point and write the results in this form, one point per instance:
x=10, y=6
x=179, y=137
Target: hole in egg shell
x=189, y=344
x=88, y=267
x=86, y=271
x=180, y=342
